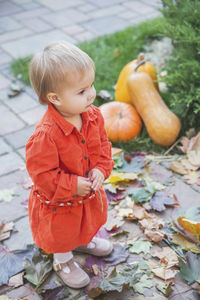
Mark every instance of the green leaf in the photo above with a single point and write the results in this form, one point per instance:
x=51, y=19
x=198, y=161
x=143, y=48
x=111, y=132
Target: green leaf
x=190, y=270
x=140, y=246
x=165, y=288
x=38, y=267
x=145, y=282
x=142, y=194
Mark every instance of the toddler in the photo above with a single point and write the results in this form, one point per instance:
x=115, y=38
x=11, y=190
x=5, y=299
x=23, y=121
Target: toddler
x=68, y=157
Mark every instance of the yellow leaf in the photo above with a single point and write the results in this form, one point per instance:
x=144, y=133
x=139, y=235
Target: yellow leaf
x=190, y=226
x=117, y=177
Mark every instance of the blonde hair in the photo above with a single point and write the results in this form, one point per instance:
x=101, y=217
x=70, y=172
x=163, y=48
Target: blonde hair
x=55, y=66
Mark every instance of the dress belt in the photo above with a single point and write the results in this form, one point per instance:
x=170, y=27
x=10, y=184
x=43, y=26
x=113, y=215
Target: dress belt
x=68, y=203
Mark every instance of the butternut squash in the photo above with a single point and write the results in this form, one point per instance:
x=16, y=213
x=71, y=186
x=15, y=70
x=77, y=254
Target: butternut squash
x=162, y=125
x=121, y=91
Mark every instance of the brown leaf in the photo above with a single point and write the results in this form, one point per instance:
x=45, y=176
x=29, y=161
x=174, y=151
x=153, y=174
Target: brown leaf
x=5, y=230
x=180, y=240
x=95, y=269
x=178, y=167
x=194, y=158
x=154, y=235
x=192, y=178
x=167, y=256
x=161, y=271
x=16, y=280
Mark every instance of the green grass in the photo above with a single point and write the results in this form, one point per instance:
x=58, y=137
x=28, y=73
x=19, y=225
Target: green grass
x=127, y=44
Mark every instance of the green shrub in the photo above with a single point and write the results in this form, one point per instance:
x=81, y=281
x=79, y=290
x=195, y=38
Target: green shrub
x=182, y=25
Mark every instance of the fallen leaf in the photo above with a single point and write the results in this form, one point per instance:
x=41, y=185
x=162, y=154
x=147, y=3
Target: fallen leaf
x=161, y=271
x=95, y=269
x=190, y=144
x=139, y=212
x=155, y=297
x=97, y=261
x=160, y=200
x=192, y=178
x=167, y=256
x=190, y=270
x=4, y=297
x=5, y=230
x=38, y=267
x=24, y=292
x=104, y=95
x=190, y=226
x=140, y=246
x=16, y=280
x=58, y=293
x=116, y=151
x=114, y=221
x=144, y=282
x=194, y=157
x=181, y=241
x=154, y=235
x=118, y=255
x=135, y=166
x=165, y=288
x=117, y=177
x=178, y=167
x=11, y=263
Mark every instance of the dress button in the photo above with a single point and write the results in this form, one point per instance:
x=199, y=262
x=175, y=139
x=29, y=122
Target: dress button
x=83, y=141
x=73, y=196
x=85, y=157
x=54, y=208
x=86, y=173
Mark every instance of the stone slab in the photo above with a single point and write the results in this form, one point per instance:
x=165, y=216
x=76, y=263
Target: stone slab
x=10, y=162
x=15, y=209
x=14, y=35
x=60, y=4
x=139, y=7
x=32, y=13
x=9, y=23
x=65, y=17
x=21, y=236
x=5, y=58
x=18, y=139
x=4, y=147
x=8, y=8
x=106, y=25
x=4, y=82
x=105, y=3
x=36, y=24
x=20, y=103
x=21, y=152
x=9, y=121
x=106, y=11
x=34, y=115
x=32, y=44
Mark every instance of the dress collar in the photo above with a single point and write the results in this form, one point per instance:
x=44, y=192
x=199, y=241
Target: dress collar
x=66, y=126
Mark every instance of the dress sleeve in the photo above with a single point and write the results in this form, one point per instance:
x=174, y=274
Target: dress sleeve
x=42, y=162
x=105, y=163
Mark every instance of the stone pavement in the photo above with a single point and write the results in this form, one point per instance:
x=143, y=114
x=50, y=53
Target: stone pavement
x=26, y=26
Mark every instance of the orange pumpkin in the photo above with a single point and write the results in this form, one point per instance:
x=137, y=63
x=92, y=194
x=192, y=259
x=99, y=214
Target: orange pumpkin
x=121, y=92
x=122, y=121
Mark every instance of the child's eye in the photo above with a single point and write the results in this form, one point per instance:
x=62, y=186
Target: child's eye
x=81, y=92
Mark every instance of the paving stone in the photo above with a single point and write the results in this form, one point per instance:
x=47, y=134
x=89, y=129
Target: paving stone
x=87, y=7
x=31, y=5
x=10, y=162
x=20, y=2
x=5, y=58
x=9, y=122
x=61, y=4
x=4, y=82
x=31, y=14
x=19, y=138
x=84, y=36
x=106, y=25
x=65, y=17
x=8, y=8
x=128, y=15
x=37, y=25
x=108, y=11
x=105, y=3
x=21, y=236
x=14, y=35
x=32, y=44
x=20, y=103
x=34, y=115
x=139, y=7
x=22, y=153
x=8, y=24
x=4, y=147
x=71, y=30
x=143, y=18
x=155, y=3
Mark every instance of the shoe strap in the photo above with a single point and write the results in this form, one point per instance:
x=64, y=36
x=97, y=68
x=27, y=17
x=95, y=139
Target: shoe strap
x=59, y=266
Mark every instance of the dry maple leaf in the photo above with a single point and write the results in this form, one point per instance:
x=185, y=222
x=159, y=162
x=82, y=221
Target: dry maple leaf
x=192, y=178
x=194, y=157
x=154, y=235
x=190, y=144
x=167, y=256
x=178, y=167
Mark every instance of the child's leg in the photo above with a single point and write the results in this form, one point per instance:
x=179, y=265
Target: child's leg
x=62, y=257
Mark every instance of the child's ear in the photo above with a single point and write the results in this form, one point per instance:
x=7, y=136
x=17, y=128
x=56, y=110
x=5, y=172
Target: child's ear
x=53, y=98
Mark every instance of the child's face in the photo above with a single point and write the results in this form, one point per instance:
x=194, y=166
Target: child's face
x=77, y=97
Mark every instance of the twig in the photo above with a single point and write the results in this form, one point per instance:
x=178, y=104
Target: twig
x=172, y=146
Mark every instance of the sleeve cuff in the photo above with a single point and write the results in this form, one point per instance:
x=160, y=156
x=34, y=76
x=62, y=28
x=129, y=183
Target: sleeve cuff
x=74, y=185
x=102, y=170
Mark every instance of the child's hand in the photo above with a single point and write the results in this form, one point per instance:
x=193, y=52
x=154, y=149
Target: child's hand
x=96, y=177
x=83, y=186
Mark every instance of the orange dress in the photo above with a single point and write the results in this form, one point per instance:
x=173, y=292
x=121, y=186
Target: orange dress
x=56, y=154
